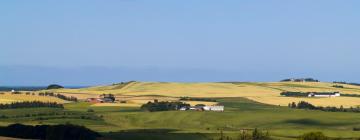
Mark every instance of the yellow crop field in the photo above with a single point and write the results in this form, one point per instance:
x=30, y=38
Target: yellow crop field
x=9, y=98
x=334, y=101
x=265, y=92
x=193, y=103
x=117, y=104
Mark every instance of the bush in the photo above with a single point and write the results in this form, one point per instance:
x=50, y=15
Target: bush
x=356, y=129
x=338, y=86
x=90, y=110
x=253, y=135
x=314, y=136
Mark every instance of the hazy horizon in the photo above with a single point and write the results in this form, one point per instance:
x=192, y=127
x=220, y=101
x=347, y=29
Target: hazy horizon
x=102, y=42
x=95, y=75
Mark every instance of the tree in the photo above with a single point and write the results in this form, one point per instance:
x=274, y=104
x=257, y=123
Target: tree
x=314, y=136
x=259, y=135
x=293, y=105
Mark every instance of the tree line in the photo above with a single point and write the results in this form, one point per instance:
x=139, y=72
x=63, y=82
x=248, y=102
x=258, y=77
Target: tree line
x=294, y=94
x=163, y=106
x=338, y=82
x=60, y=96
x=338, y=86
x=30, y=104
x=351, y=95
x=49, y=132
x=197, y=99
x=306, y=105
x=67, y=98
x=257, y=134
x=300, y=80
x=305, y=94
x=54, y=115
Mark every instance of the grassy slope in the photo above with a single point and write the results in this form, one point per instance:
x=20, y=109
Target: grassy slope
x=240, y=113
x=262, y=92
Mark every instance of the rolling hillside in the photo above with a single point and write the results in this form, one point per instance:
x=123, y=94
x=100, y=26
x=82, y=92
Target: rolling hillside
x=268, y=92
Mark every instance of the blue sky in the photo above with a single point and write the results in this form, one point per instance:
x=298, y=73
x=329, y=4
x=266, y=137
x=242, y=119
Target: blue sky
x=93, y=42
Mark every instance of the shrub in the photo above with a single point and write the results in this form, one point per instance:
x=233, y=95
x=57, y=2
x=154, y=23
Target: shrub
x=313, y=136
x=90, y=110
x=338, y=86
x=356, y=129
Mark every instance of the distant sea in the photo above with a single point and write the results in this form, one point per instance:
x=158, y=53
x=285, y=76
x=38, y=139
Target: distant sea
x=31, y=88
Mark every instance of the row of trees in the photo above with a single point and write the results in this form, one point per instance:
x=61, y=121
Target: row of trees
x=294, y=94
x=355, y=84
x=338, y=86
x=300, y=80
x=49, y=132
x=30, y=104
x=351, y=95
x=257, y=134
x=305, y=94
x=54, y=115
x=67, y=98
x=306, y=105
x=163, y=106
x=249, y=135
x=197, y=99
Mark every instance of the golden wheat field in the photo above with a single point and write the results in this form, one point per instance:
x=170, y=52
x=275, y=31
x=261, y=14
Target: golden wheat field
x=9, y=98
x=265, y=92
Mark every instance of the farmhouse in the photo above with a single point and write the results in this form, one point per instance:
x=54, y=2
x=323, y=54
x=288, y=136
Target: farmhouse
x=324, y=94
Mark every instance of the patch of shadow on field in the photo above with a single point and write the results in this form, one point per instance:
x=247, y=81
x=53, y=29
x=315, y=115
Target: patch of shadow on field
x=153, y=134
x=312, y=122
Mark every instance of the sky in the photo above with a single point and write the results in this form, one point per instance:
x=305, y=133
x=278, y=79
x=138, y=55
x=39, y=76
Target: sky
x=92, y=42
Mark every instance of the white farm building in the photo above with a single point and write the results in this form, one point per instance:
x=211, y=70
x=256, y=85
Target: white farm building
x=214, y=108
x=324, y=94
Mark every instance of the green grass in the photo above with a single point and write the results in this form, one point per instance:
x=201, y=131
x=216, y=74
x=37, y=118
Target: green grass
x=240, y=113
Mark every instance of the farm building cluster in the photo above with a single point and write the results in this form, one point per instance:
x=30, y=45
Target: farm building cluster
x=311, y=94
x=324, y=94
x=104, y=98
x=204, y=108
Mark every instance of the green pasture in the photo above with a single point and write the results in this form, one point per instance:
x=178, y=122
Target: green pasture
x=240, y=114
